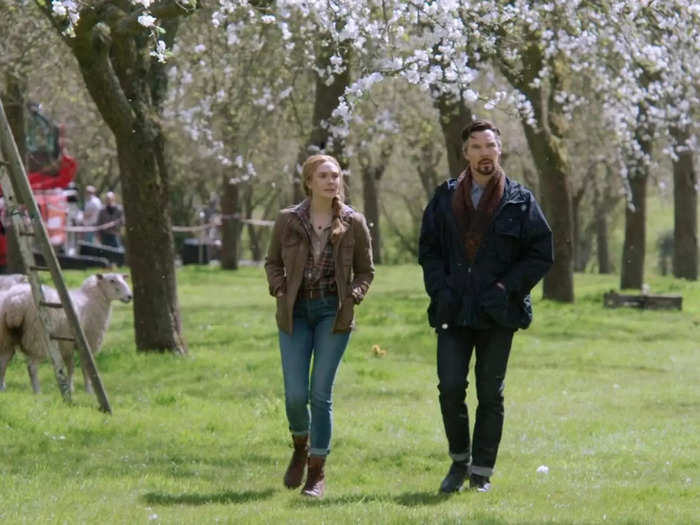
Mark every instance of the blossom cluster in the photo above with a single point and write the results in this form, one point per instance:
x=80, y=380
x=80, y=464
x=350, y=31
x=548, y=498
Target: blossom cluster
x=636, y=60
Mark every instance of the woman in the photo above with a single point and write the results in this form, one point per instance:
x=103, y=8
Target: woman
x=319, y=266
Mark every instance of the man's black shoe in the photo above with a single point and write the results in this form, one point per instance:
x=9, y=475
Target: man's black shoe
x=480, y=483
x=455, y=477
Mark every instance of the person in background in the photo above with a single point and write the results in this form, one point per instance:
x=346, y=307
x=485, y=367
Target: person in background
x=319, y=266
x=113, y=214
x=91, y=211
x=484, y=244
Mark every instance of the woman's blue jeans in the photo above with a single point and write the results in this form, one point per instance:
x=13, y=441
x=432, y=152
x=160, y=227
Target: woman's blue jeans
x=312, y=335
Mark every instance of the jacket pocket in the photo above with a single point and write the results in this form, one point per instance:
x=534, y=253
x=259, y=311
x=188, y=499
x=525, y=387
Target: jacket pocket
x=344, y=321
x=506, y=238
x=282, y=314
x=292, y=238
x=290, y=247
x=347, y=254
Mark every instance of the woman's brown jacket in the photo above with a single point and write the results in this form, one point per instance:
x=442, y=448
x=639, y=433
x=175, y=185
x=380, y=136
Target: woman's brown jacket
x=286, y=258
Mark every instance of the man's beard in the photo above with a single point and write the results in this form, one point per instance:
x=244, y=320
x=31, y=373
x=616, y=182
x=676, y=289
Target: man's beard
x=486, y=167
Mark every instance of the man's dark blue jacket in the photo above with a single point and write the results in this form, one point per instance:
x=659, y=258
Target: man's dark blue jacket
x=516, y=251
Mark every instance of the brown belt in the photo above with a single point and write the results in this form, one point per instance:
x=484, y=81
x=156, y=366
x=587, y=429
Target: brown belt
x=316, y=294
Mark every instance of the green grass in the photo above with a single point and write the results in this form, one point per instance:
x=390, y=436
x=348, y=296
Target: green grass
x=607, y=399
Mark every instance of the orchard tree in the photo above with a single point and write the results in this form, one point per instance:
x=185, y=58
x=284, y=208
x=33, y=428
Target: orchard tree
x=40, y=72
x=649, y=95
x=442, y=47
x=421, y=165
x=316, y=40
x=677, y=27
x=120, y=47
x=374, y=131
x=445, y=57
x=16, y=57
x=232, y=89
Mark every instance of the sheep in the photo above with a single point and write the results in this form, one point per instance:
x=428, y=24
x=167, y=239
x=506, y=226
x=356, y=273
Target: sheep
x=19, y=322
x=8, y=281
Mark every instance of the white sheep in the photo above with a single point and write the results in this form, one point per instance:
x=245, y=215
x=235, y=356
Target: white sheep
x=20, y=323
x=9, y=280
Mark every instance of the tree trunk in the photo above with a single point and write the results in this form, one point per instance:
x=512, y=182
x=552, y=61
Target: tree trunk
x=454, y=117
x=157, y=323
x=633, y=249
x=601, y=229
x=685, y=211
x=128, y=87
x=549, y=154
x=326, y=99
x=230, y=224
x=256, y=249
x=426, y=158
x=552, y=167
x=602, y=245
x=579, y=249
x=372, y=171
x=16, y=111
x=370, y=195
x=634, y=245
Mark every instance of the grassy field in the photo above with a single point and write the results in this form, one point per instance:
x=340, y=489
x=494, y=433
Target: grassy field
x=607, y=399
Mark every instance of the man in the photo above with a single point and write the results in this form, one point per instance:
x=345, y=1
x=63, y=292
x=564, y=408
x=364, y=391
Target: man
x=93, y=205
x=111, y=214
x=484, y=244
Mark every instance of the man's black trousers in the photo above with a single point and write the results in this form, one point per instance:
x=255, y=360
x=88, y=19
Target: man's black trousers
x=454, y=350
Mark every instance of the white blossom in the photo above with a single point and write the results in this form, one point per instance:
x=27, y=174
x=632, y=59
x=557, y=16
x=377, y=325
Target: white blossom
x=147, y=20
x=159, y=51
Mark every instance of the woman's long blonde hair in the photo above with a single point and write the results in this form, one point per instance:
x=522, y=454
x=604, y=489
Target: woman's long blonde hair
x=310, y=167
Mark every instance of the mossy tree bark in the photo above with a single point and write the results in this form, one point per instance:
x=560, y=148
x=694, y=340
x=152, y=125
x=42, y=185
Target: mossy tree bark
x=634, y=244
x=454, y=117
x=372, y=171
x=231, y=225
x=546, y=142
x=685, y=210
x=16, y=111
x=326, y=99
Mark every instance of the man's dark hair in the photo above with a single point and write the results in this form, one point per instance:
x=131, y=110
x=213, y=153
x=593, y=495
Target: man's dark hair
x=479, y=125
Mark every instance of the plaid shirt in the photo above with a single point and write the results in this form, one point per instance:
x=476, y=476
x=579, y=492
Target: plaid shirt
x=319, y=270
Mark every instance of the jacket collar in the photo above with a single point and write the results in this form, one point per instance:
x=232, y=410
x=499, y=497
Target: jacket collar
x=511, y=193
x=303, y=208
x=304, y=205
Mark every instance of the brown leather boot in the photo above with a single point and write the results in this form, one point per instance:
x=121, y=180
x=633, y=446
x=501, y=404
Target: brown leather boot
x=315, y=484
x=295, y=470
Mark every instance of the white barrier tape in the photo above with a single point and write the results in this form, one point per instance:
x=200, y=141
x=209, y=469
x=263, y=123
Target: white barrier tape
x=85, y=229
x=255, y=222
x=217, y=224
x=193, y=228
x=207, y=226
x=52, y=206
x=258, y=222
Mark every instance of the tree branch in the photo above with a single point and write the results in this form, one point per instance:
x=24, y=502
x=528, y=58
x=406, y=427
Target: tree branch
x=91, y=46
x=164, y=10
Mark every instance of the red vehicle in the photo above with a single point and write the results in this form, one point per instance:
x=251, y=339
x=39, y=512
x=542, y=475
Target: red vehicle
x=51, y=170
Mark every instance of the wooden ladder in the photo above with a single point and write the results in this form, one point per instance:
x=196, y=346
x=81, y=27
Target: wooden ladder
x=24, y=218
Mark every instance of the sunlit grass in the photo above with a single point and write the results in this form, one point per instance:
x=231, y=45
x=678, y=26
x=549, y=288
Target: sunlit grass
x=607, y=399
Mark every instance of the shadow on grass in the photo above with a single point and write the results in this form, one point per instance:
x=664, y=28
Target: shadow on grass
x=408, y=499
x=339, y=500
x=159, y=498
x=420, y=499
